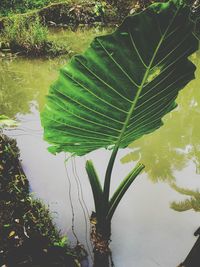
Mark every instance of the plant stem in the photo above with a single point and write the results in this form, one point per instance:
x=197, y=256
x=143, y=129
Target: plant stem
x=106, y=190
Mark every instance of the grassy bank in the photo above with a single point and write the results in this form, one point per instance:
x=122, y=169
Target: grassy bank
x=25, y=29
x=70, y=13
x=28, y=33
x=28, y=36
x=28, y=236
x=8, y=7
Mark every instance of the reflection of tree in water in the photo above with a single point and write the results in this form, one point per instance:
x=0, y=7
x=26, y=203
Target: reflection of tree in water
x=190, y=203
x=23, y=81
x=175, y=143
x=159, y=160
x=13, y=97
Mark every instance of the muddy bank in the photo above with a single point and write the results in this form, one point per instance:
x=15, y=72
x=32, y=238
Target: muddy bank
x=28, y=236
x=86, y=13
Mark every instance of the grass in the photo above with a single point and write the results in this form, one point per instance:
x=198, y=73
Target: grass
x=28, y=36
x=8, y=7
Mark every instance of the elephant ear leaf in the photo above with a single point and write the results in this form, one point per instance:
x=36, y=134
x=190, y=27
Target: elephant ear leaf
x=124, y=83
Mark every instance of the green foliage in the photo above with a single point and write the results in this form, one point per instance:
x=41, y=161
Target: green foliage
x=99, y=8
x=27, y=35
x=62, y=242
x=120, y=88
x=20, y=6
x=8, y=7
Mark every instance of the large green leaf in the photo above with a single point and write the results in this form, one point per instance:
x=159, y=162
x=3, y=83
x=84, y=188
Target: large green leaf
x=123, y=85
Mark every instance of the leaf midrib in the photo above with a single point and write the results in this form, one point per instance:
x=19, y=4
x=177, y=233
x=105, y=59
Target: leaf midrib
x=136, y=98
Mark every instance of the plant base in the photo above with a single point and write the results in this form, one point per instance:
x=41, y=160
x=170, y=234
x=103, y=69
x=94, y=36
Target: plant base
x=100, y=237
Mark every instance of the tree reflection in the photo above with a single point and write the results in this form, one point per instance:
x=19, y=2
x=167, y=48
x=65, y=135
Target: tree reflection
x=23, y=81
x=190, y=203
x=13, y=97
x=177, y=142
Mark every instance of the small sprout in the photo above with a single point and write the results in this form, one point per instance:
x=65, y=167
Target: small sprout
x=61, y=243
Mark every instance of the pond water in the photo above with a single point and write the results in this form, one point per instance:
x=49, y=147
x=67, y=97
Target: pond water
x=145, y=230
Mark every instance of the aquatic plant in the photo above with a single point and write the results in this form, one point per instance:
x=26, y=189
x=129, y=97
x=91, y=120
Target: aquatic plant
x=116, y=92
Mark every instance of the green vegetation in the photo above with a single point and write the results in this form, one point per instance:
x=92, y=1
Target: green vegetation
x=123, y=7
x=29, y=37
x=8, y=7
x=28, y=33
x=20, y=6
x=28, y=236
x=116, y=92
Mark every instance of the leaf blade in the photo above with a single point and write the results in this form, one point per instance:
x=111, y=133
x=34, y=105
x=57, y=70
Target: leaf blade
x=126, y=81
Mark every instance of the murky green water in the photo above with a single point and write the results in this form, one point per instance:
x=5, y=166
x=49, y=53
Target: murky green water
x=23, y=81
x=146, y=232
